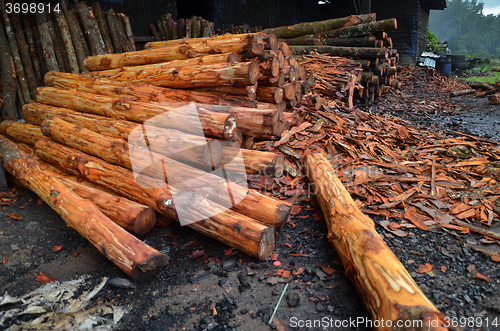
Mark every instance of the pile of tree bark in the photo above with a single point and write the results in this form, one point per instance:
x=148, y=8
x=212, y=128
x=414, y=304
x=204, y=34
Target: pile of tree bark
x=195, y=27
x=56, y=38
x=360, y=37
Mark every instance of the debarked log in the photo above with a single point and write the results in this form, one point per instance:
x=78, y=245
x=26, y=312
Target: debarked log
x=131, y=255
x=229, y=227
x=386, y=289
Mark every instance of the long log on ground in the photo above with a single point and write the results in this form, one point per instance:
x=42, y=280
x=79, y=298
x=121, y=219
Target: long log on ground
x=213, y=124
x=302, y=29
x=226, y=74
x=247, y=202
x=355, y=31
x=68, y=43
x=30, y=39
x=130, y=215
x=73, y=27
x=370, y=41
x=385, y=287
x=231, y=228
x=16, y=56
x=8, y=80
x=360, y=52
x=22, y=132
x=93, y=35
x=131, y=255
x=47, y=45
x=211, y=42
x=256, y=162
x=164, y=54
x=141, y=91
x=172, y=143
x=25, y=55
x=464, y=92
x=101, y=23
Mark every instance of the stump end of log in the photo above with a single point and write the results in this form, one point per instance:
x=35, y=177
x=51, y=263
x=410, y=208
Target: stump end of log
x=147, y=268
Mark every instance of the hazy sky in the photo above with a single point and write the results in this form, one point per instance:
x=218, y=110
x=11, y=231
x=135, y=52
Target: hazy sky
x=491, y=7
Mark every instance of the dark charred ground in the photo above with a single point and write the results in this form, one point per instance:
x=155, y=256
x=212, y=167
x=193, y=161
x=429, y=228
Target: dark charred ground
x=242, y=290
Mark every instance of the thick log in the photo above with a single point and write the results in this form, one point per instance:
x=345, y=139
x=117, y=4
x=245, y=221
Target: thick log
x=231, y=228
x=169, y=75
x=128, y=31
x=355, y=31
x=113, y=30
x=67, y=41
x=74, y=30
x=103, y=29
x=370, y=41
x=22, y=132
x=360, y=52
x=301, y=29
x=96, y=43
x=216, y=125
x=175, y=51
x=117, y=151
x=385, y=287
x=212, y=42
x=464, y=92
x=25, y=55
x=15, y=54
x=256, y=162
x=8, y=81
x=131, y=255
x=142, y=91
x=248, y=91
x=269, y=94
x=47, y=45
x=30, y=40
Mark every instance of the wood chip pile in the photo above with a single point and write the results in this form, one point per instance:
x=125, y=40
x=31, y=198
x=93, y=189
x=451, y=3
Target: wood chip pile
x=56, y=38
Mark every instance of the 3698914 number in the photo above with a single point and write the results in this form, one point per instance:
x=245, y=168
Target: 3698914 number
x=32, y=8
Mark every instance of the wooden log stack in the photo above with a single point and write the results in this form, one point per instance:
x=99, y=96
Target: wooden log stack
x=359, y=37
x=56, y=38
x=166, y=28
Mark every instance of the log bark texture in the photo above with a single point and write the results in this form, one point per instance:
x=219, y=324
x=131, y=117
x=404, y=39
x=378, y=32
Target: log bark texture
x=359, y=52
x=68, y=43
x=142, y=91
x=306, y=28
x=8, y=81
x=75, y=38
x=214, y=124
x=113, y=30
x=101, y=23
x=47, y=45
x=92, y=32
x=30, y=40
x=385, y=287
x=236, y=230
x=22, y=132
x=131, y=255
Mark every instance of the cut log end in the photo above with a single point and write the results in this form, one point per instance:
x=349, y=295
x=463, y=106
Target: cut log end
x=144, y=221
x=266, y=243
x=147, y=268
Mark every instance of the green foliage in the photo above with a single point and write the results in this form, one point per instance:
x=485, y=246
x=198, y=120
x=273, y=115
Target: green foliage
x=465, y=27
x=485, y=79
x=432, y=42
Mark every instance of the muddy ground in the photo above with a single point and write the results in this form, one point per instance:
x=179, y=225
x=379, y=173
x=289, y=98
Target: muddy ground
x=226, y=290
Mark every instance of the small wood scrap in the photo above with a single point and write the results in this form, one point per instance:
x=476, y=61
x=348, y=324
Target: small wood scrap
x=494, y=99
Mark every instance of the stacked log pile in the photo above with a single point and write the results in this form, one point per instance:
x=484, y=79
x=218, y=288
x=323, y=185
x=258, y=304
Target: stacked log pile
x=56, y=38
x=168, y=29
x=359, y=37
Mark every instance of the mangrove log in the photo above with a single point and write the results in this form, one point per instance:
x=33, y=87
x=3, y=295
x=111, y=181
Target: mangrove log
x=360, y=52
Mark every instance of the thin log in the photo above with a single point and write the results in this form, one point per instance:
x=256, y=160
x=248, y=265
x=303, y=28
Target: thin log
x=131, y=255
x=113, y=31
x=164, y=23
x=256, y=162
x=117, y=151
x=301, y=29
x=74, y=30
x=25, y=55
x=217, y=125
x=30, y=40
x=360, y=52
x=120, y=31
x=181, y=28
x=355, y=31
x=463, y=92
x=142, y=91
x=8, y=81
x=370, y=41
x=59, y=49
x=48, y=47
x=170, y=75
x=194, y=29
x=91, y=31
x=103, y=29
x=172, y=52
x=16, y=56
x=171, y=28
x=154, y=32
x=128, y=31
x=231, y=228
x=67, y=41
x=188, y=33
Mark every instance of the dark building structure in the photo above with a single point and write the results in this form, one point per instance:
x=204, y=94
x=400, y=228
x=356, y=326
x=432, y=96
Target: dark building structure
x=412, y=15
